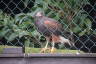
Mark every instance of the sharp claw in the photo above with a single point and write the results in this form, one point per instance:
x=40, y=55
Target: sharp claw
x=44, y=50
x=53, y=50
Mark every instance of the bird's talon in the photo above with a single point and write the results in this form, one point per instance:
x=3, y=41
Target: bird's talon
x=44, y=50
x=53, y=50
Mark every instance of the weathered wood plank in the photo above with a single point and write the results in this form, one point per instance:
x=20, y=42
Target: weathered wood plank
x=61, y=60
x=83, y=55
x=47, y=58
x=16, y=50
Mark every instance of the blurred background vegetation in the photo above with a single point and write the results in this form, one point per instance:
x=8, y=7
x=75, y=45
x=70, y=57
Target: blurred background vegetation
x=77, y=16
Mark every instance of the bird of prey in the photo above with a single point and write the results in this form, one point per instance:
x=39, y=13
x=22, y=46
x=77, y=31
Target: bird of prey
x=51, y=29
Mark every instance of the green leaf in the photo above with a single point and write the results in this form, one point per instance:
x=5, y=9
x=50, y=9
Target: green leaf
x=4, y=32
x=18, y=17
x=27, y=43
x=82, y=32
x=76, y=29
x=35, y=33
x=12, y=37
x=22, y=33
x=88, y=23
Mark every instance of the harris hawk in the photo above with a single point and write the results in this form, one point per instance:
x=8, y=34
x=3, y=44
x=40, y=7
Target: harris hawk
x=51, y=29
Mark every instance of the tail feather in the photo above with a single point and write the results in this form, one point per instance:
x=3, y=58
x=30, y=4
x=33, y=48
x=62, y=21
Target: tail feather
x=64, y=40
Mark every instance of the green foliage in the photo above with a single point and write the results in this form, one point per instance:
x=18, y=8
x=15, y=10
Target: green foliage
x=18, y=27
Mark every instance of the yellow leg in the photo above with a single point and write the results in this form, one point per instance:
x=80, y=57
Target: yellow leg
x=45, y=48
x=53, y=49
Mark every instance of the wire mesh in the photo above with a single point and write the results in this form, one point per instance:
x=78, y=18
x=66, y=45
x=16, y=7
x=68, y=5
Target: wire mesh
x=77, y=17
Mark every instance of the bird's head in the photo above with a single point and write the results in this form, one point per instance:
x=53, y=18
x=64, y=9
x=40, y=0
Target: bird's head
x=38, y=14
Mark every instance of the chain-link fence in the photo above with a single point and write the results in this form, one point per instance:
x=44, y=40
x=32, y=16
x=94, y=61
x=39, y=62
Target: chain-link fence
x=22, y=24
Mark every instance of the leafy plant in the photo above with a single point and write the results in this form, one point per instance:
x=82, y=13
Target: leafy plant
x=14, y=28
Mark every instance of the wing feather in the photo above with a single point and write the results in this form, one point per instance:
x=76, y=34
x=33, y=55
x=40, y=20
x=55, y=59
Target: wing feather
x=52, y=25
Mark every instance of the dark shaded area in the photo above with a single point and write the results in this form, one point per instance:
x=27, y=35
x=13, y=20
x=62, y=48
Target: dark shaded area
x=15, y=6
x=93, y=2
x=91, y=10
x=16, y=42
x=86, y=43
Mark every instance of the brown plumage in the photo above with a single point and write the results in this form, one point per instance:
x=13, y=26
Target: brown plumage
x=50, y=28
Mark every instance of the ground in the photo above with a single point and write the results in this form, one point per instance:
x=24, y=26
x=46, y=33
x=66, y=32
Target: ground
x=37, y=50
